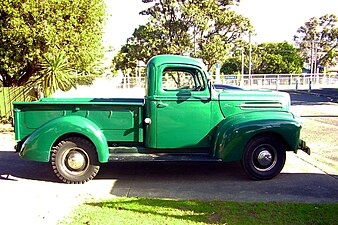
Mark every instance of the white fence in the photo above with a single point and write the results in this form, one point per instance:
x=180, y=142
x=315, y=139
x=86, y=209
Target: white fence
x=257, y=81
x=279, y=81
x=131, y=87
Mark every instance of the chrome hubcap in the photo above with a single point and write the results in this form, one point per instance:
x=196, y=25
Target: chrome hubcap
x=264, y=158
x=76, y=160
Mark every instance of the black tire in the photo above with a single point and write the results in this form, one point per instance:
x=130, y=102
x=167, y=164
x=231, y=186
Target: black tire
x=74, y=160
x=263, y=158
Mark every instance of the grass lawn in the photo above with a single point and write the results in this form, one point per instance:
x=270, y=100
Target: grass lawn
x=167, y=211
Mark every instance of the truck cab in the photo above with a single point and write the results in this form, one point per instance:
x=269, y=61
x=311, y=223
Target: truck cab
x=178, y=102
x=180, y=118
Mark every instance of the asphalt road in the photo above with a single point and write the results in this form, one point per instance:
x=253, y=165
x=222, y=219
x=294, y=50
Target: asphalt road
x=315, y=97
x=30, y=193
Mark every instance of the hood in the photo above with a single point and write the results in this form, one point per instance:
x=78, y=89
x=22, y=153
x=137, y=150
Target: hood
x=235, y=101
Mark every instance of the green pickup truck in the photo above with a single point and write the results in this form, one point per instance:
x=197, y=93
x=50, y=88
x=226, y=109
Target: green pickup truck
x=181, y=118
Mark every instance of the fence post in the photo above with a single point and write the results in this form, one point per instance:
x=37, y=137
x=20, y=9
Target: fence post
x=10, y=98
x=4, y=95
x=1, y=102
x=310, y=81
x=23, y=93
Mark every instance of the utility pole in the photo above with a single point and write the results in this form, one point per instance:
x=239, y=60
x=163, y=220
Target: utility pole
x=250, y=49
x=315, y=61
x=242, y=58
x=194, y=41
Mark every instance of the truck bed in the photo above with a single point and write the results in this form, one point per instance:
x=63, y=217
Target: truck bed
x=120, y=119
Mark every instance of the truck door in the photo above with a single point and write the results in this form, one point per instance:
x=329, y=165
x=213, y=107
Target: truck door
x=183, y=108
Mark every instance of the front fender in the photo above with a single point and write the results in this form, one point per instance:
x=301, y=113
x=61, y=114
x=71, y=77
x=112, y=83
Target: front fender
x=234, y=132
x=38, y=144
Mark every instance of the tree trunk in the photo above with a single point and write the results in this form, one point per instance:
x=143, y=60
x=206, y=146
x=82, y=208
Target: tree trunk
x=6, y=80
x=29, y=71
x=12, y=81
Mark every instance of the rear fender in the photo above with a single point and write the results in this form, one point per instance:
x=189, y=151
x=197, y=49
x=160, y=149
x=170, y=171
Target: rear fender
x=38, y=144
x=233, y=133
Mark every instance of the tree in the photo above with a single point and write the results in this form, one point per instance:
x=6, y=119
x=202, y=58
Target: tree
x=267, y=58
x=215, y=29
x=203, y=29
x=276, y=58
x=318, y=40
x=33, y=30
x=231, y=65
x=55, y=73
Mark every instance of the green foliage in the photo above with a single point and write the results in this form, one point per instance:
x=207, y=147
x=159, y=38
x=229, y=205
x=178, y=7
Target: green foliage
x=83, y=79
x=318, y=38
x=215, y=28
x=167, y=211
x=32, y=29
x=55, y=74
x=231, y=65
x=267, y=58
x=204, y=29
x=276, y=58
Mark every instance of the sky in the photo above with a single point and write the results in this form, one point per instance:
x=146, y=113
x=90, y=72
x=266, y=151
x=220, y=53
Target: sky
x=273, y=20
x=123, y=19
x=278, y=20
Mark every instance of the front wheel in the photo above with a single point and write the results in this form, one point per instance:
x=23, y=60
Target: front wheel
x=74, y=160
x=263, y=158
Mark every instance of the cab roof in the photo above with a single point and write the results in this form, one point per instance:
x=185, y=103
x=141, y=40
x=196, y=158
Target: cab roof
x=167, y=59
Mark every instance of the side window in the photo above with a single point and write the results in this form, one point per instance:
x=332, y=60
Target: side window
x=174, y=79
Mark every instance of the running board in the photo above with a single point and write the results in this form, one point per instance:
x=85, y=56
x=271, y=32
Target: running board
x=136, y=155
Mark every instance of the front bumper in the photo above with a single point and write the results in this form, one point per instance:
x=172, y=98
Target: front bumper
x=302, y=146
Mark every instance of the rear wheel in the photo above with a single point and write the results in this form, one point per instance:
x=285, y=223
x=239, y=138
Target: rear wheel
x=74, y=160
x=264, y=157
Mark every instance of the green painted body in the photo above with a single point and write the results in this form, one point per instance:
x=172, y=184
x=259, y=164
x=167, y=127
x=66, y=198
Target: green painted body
x=178, y=120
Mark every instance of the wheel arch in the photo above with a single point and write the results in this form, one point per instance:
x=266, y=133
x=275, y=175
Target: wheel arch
x=272, y=134
x=38, y=145
x=233, y=134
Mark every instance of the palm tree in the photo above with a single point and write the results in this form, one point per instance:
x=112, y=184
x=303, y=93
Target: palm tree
x=55, y=72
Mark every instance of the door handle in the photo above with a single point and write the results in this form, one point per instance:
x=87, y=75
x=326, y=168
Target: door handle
x=161, y=105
